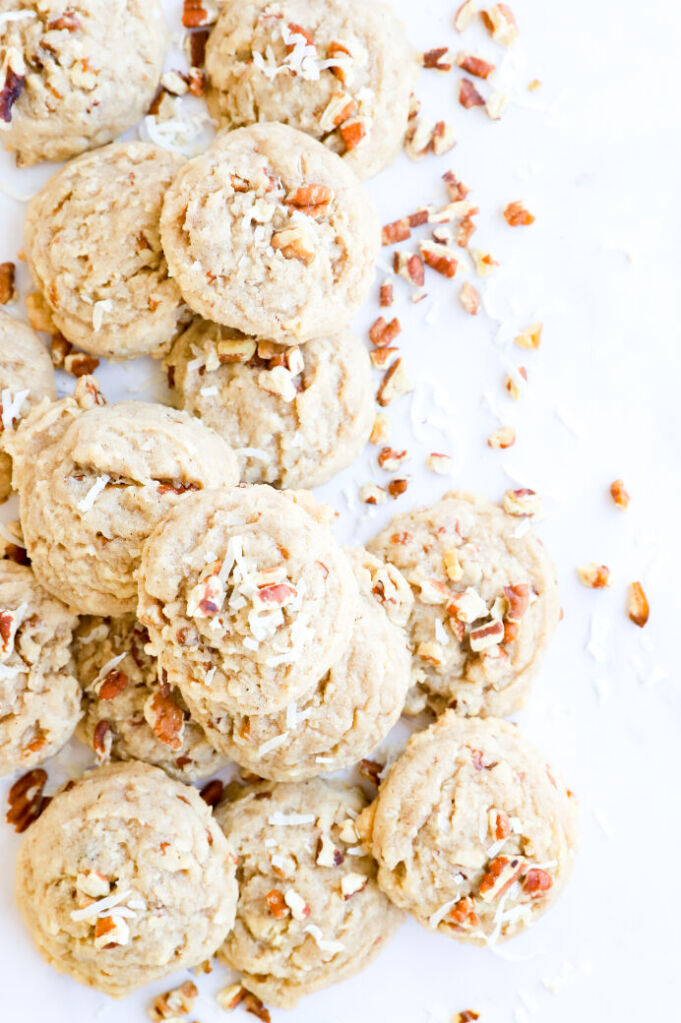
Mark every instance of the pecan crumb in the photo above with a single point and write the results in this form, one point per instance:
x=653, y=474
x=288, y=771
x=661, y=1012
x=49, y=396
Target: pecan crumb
x=466, y=1016
x=469, y=298
x=439, y=463
x=638, y=609
x=212, y=792
x=474, y=65
x=593, y=575
x=522, y=503
x=389, y=459
x=230, y=997
x=255, y=1006
x=178, y=1001
x=502, y=438
x=501, y=24
x=456, y=190
x=10, y=93
x=59, y=349
x=395, y=384
x=440, y=59
x=397, y=487
x=371, y=493
x=530, y=337
x=469, y=95
x=380, y=431
x=619, y=494
x=397, y=231
x=371, y=769
x=382, y=357
x=387, y=294
x=382, y=333
x=465, y=15
x=78, y=364
x=7, y=289
x=517, y=214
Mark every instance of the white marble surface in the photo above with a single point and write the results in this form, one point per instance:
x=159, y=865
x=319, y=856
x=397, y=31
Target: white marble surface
x=595, y=154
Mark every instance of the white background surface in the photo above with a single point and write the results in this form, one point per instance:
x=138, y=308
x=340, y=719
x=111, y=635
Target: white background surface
x=595, y=154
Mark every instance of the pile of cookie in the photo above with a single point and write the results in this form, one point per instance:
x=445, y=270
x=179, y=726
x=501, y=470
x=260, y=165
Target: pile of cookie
x=173, y=594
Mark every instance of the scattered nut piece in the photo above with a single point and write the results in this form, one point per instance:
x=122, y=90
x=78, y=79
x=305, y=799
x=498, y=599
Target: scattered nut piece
x=26, y=800
x=465, y=15
x=453, y=567
x=397, y=487
x=381, y=333
x=410, y=267
x=78, y=364
x=353, y=883
x=466, y=1016
x=469, y=298
x=380, y=431
x=530, y=337
x=371, y=769
x=474, y=65
x=443, y=138
x=59, y=349
x=456, y=190
x=440, y=59
x=594, y=575
x=503, y=438
x=177, y=1002
x=516, y=214
x=255, y=1006
x=523, y=503
x=230, y=997
x=387, y=294
x=390, y=460
x=619, y=494
x=496, y=104
x=197, y=13
x=440, y=258
x=352, y=132
x=534, y=85
x=395, y=384
x=382, y=357
x=294, y=243
x=469, y=95
x=397, y=231
x=371, y=493
x=438, y=463
x=638, y=609
x=501, y=24
x=7, y=290
x=484, y=263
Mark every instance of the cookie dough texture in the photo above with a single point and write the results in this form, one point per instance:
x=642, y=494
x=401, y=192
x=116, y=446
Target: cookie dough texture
x=93, y=248
x=473, y=832
x=78, y=74
x=39, y=695
x=270, y=233
x=339, y=70
x=26, y=376
x=129, y=712
x=247, y=598
x=146, y=849
x=485, y=603
x=349, y=711
x=309, y=913
x=93, y=482
x=295, y=416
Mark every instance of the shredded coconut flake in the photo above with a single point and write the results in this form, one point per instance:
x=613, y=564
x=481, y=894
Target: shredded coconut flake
x=290, y=820
x=272, y=744
x=11, y=407
x=87, y=502
x=96, y=909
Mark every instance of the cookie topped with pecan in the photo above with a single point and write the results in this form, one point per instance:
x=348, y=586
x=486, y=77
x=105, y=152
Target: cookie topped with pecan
x=272, y=234
x=485, y=603
x=76, y=73
x=339, y=70
x=473, y=831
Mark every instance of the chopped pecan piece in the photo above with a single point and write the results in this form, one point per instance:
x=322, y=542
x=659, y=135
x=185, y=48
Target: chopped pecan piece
x=469, y=95
x=26, y=800
x=382, y=357
x=440, y=59
x=230, y=997
x=501, y=824
x=619, y=494
x=484, y=263
x=166, y=719
x=352, y=133
x=382, y=333
x=102, y=741
x=387, y=294
x=523, y=503
x=172, y=1004
x=10, y=93
x=536, y=882
x=255, y=1006
x=410, y=266
x=496, y=104
x=638, y=609
x=395, y=384
x=440, y=258
x=389, y=459
x=486, y=636
x=7, y=290
x=465, y=232
x=465, y=15
x=595, y=576
x=501, y=24
x=212, y=792
x=500, y=875
x=353, y=883
x=398, y=231
x=397, y=487
x=530, y=337
x=196, y=45
x=371, y=493
x=293, y=243
x=276, y=903
x=469, y=298
x=371, y=769
x=339, y=109
x=456, y=190
x=466, y=1016
x=311, y=199
x=380, y=431
x=463, y=914
x=113, y=684
x=78, y=364
x=298, y=30
x=474, y=65
x=502, y=438
x=59, y=349
x=517, y=215
x=195, y=14
x=439, y=463
x=443, y=138
x=518, y=597
x=66, y=22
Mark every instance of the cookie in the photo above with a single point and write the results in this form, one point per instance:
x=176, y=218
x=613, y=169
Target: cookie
x=93, y=482
x=473, y=832
x=26, y=377
x=130, y=712
x=270, y=233
x=39, y=696
x=309, y=912
x=93, y=248
x=76, y=75
x=339, y=70
x=350, y=710
x=247, y=598
x=125, y=878
x=295, y=416
x=485, y=603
